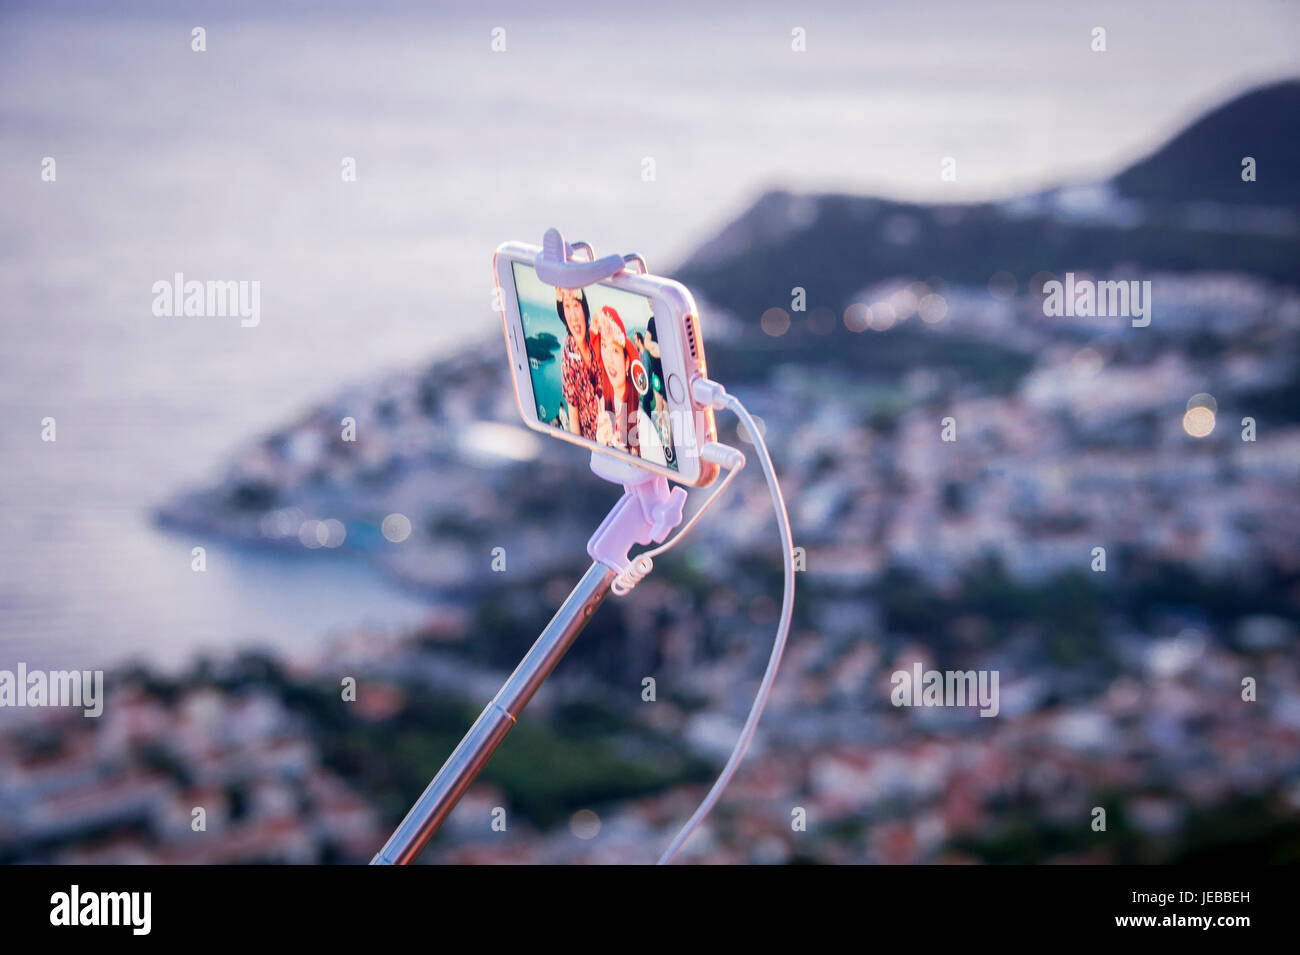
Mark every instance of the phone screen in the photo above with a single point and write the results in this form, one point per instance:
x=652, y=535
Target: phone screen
x=594, y=363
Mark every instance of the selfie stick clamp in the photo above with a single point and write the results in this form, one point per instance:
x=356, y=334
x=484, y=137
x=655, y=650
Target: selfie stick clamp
x=648, y=511
x=555, y=264
x=645, y=514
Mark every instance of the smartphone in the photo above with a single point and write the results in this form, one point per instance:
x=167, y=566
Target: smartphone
x=608, y=366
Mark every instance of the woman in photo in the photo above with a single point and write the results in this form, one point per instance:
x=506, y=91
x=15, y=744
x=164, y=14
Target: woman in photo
x=579, y=374
x=621, y=423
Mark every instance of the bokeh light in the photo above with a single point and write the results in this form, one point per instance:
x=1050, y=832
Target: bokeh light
x=311, y=534
x=934, y=308
x=882, y=316
x=857, y=317
x=775, y=322
x=584, y=824
x=1198, y=421
x=331, y=532
x=396, y=527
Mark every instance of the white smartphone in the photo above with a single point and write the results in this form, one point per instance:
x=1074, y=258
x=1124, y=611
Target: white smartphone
x=608, y=366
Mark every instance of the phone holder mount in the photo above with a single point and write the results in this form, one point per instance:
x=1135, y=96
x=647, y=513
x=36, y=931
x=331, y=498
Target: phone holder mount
x=556, y=265
x=647, y=512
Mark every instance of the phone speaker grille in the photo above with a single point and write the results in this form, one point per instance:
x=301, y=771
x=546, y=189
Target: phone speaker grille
x=690, y=335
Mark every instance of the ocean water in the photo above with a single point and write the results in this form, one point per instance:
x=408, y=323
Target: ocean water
x=548, y=380
x=226, y=165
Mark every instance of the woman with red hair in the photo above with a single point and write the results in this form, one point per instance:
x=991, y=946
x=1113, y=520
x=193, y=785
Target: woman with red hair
x=623, y=378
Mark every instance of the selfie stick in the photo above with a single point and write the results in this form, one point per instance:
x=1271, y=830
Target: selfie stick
x=646, y=513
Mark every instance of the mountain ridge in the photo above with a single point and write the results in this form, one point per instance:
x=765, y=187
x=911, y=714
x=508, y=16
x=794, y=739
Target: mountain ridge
x=1167, y=212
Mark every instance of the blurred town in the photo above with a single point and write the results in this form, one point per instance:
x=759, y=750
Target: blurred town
x=1106, y=515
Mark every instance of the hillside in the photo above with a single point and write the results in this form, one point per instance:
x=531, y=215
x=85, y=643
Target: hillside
x=1153, y=216
x=1203, y=162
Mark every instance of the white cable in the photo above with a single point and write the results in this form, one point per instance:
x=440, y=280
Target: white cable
x=714, y=394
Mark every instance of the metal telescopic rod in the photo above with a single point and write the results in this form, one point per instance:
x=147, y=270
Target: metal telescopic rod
x=483, y=738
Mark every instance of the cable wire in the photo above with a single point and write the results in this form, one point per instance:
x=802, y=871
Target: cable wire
x=733, y=404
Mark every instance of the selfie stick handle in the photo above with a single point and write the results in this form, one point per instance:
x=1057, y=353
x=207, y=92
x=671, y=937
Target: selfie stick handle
x=500, y=716
x=646, y=513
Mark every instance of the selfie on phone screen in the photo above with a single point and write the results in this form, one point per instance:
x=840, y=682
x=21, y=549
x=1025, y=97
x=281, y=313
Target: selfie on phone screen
x=595, y=365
